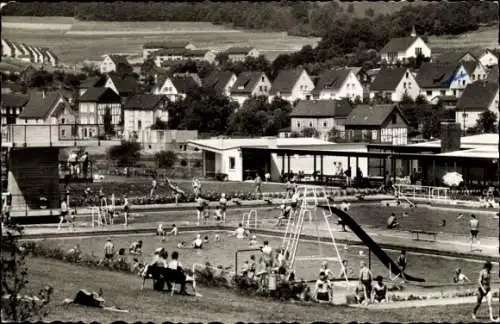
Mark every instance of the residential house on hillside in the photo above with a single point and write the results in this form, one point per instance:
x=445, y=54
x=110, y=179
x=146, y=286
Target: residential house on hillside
x=123, y=85
x=7, y=50
x=38, y=54
x=49, y=57
x=221, y=82
x=322, y=115
x=91, y=82
x=32, y=54
x=92, y=107
x=436, y=79
x=141, y=111
x=111, y=63
x=475, y=70
x=168, y=55
x=50, y=108
x=478, y=97
x=394, y=83
x=12, y=106
x=292, y=85
x=174, y=87
x=493, y=74
x=403, y=48
x=337, y=84
x=378, y=124
x=239, y=54
x=455, y=56
x=16, y=51
x=151, y=47
x=250, y=84
x=488, y=59
x=200, y=55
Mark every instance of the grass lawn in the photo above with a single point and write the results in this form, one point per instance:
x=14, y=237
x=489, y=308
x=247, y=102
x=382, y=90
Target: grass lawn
x=220, y=305
x=140, y=187
x=433, y=269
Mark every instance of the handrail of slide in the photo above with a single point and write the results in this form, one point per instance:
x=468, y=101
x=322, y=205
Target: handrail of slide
x=369, y=242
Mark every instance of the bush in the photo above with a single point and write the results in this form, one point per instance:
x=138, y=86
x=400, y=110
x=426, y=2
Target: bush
x=165, y=159
x=125, y=154
x=184, y=163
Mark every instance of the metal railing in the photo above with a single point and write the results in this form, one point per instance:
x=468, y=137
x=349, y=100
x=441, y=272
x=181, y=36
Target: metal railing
x=428, y=192
x=32, y=135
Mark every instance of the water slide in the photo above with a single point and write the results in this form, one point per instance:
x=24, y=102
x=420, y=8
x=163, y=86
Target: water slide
x=369, y=242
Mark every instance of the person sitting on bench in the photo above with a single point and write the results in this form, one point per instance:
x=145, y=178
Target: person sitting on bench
x=392, y=222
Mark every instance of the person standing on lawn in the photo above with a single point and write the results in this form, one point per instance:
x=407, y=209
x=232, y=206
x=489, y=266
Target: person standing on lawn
x=474, y=230
x=484, y=290
x=196, y=187
x=258, y=184
x=109, y=250
x=126, y=209
x=64, y=213
x=154, y=184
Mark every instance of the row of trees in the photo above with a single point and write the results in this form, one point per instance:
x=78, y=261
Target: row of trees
x=208, y=112
x=299, y=18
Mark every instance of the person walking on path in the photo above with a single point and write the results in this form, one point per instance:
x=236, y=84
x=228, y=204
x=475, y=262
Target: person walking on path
x=484, y=290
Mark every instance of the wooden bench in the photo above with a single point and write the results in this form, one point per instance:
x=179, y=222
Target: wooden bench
x=416, y=235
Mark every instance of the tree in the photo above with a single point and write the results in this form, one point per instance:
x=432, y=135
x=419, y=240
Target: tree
x=406, y=99
x=125, y=154
x=107, y=120
x=222, y=58
x=335, y=135
x=310, y=132
x=369, y=12
x=16, y=306
x=159, y=124
x=487, y=121
x=165, y=159
x=350, y=8
x=421, y=100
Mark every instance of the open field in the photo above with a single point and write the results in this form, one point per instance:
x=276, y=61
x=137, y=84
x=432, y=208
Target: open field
x=432, y=268
x=484, y=37
x=221, y=305
x=90, y=40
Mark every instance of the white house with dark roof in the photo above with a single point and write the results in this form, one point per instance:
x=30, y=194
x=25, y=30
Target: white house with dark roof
x=175, y=87
x=455, y=56
x=141, y=111
x=250, y=84
x=436, y=80
x=16, y=51
x=322, y=115
x=151, y=47
x=110, y=63
x=38, y=54
x=377, y=123
x=292, y=85
x=488, y=59
x=49, y=57
x=403, y=48
x=394, y=83
x=478, y=97
x=475, y=70
x=338, y=83
x=165, y=55
x=239, y=54
x=220, y=81
x=43, y=108
x=205, y=55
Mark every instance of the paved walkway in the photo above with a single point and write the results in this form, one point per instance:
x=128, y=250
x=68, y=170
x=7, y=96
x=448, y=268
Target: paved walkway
x=422, y=303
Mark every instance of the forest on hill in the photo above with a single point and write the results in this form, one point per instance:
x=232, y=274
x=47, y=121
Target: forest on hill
x=302, y=18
